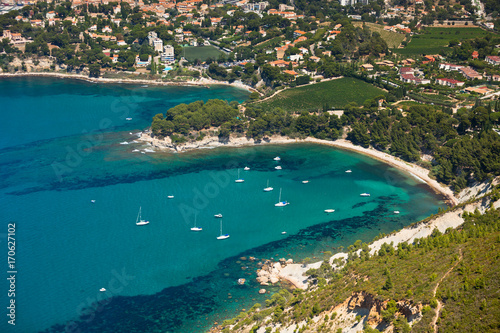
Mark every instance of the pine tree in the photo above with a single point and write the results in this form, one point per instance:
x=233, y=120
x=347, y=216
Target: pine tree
x=388, y=283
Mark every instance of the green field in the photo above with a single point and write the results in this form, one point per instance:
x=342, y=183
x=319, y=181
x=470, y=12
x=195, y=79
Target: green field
x=393, y=39
x=334, y=93
x=200, y=52
x=432, y=40
x=267, y=43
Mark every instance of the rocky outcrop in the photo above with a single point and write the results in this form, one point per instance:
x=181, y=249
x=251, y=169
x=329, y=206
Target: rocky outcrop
x=362, y=302
x=167, y=143
x=271, y=272
x=412, y=311
x=209, y=141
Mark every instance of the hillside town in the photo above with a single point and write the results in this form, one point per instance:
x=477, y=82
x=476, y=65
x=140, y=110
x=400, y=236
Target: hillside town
x=263, y=45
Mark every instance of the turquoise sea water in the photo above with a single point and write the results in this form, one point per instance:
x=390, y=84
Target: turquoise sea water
x=61, y=148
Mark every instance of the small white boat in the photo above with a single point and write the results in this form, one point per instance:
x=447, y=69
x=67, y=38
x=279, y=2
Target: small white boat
x=128, y=119
x=281, y=203
x=144, y=86
x=218, y=215
x=277, y=158
x=283, y=232
x=147, y=150
x=396, y=212
x=329, y=211
x=305, y=181
x=246, y=168
x=278, y=167
x=124, y=143
x=365, y=194
x=239, y=180
x=170, y=196
x=93, y=201
x=221, y=235
x=139, y=220
x=195, y=228
x=348, y=171
x=135, y=150
x=241, y=281
x=268, y=188
x=102, y=290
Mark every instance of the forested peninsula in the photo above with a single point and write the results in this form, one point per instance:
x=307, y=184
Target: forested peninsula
x=459, y=148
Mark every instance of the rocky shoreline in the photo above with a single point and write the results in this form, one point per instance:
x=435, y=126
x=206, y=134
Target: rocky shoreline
x=272, y=272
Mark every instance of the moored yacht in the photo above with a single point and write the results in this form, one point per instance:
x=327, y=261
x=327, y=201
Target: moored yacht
x=268, y=188
x=281, y=203
x=139, y=220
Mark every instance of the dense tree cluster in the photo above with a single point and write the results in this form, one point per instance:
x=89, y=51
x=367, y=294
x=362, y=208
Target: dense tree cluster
x=463, y=146
x=356, y=41
x=197, y=116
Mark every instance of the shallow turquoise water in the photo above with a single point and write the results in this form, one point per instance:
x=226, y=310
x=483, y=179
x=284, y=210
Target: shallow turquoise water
x=163, y=276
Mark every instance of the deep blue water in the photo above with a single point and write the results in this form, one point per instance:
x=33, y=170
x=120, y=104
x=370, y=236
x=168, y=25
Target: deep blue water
x=61, y=148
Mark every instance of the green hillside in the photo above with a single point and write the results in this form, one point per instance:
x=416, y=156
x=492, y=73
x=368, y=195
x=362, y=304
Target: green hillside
x=467, y=258
x=334, y=93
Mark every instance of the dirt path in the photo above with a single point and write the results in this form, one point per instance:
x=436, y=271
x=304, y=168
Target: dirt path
x=439, y=306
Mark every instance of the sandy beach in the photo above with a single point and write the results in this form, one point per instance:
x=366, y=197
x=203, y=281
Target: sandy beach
x=196, y=83
x=413, y=169
x=418, y=172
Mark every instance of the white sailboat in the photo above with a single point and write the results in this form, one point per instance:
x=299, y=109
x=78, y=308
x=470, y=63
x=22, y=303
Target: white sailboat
x=218, y=215
x=281, y=203
x=221, y=235
x=239, y=180
x=195, y=228
x=278, y=167
x=348, y=171
x=246, y=168
x=139, y=220
x=268, y=188
x=365, y=194
x=277, y=158
x=329, y=211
